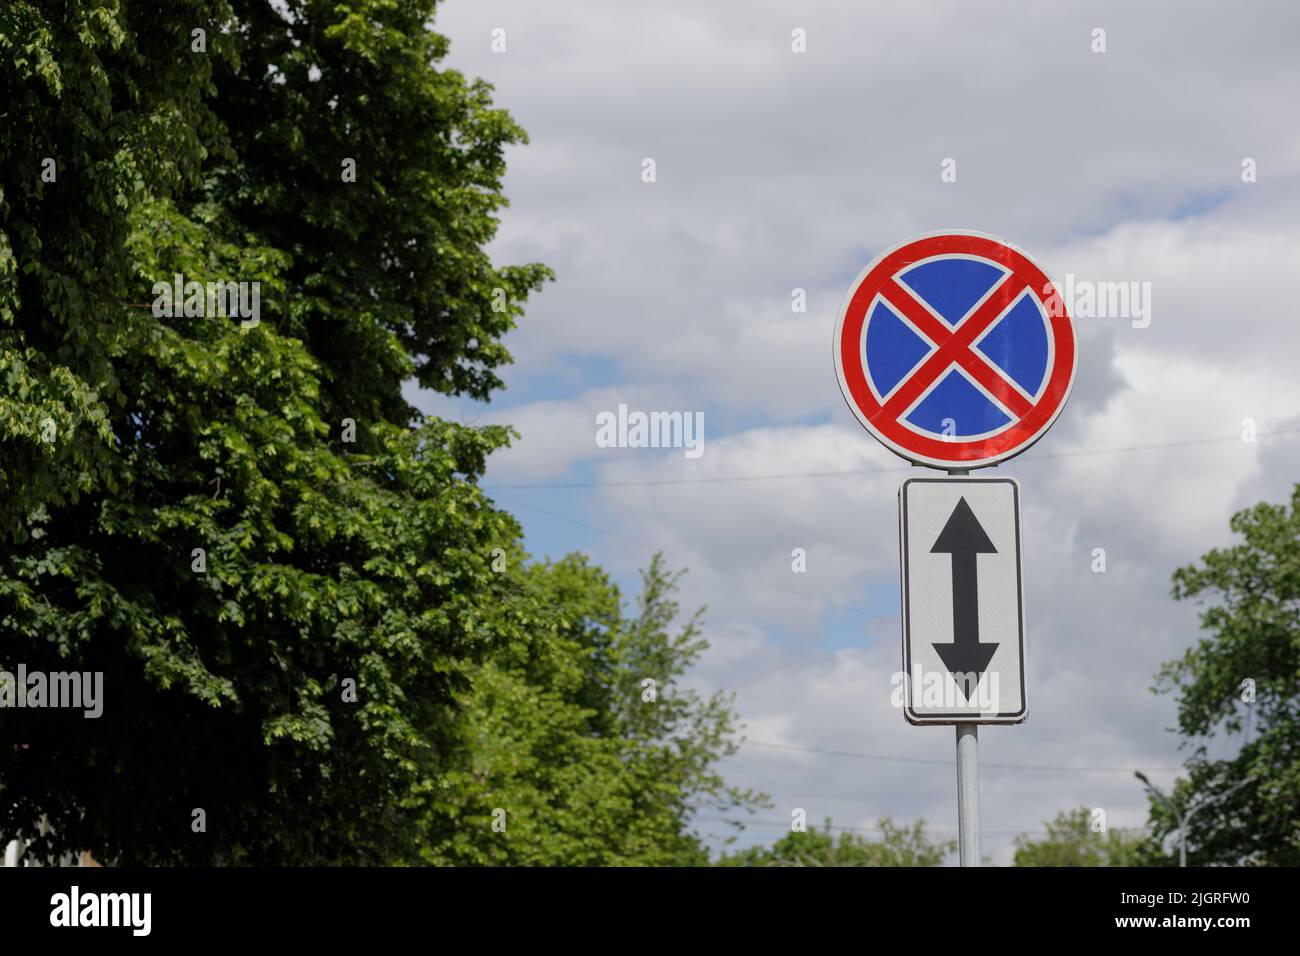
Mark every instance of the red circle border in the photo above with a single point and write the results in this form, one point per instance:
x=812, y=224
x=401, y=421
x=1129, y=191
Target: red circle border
x=986, y=451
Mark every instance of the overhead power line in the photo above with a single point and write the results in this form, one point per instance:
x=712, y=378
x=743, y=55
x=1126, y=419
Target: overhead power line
x=696, y=562
x=785, y=825
x=858, y=472
x=948, y=763
x=826, y=602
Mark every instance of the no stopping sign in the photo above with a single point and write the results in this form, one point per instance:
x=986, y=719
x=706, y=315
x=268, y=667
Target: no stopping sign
x=954, y=350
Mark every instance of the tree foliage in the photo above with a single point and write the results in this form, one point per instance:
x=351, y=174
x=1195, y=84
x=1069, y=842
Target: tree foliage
x=898, y=845
x=1072, y=841
x=133, y=441
x=582, y=734
x=1242, y=681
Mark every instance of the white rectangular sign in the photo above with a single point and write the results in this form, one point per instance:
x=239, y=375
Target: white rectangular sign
x=963, y=608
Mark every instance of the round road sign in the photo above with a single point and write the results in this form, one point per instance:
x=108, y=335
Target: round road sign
x=955, y=350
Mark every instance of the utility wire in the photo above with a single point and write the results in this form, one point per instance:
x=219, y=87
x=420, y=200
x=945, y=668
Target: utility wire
x=826, y=602
x=948, y=763
x=785, y=825
x=856, y=472
x=695, y=562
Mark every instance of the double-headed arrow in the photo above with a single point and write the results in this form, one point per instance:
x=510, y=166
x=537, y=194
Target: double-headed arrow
x=964, y=539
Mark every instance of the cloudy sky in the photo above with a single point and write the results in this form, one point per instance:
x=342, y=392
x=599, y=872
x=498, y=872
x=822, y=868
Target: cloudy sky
x=778, y=170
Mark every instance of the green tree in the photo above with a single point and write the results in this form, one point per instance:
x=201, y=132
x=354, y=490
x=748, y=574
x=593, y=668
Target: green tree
x=130, y=441
x=1071, y=841
x=578, y=735
x=897, y=846
x=288, y=577
x=1243, y=680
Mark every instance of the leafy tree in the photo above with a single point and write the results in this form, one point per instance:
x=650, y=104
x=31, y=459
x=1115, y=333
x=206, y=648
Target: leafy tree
x=578, y=736
x=1071, y=841
x=236, y=523
x=323, y=559
x=92, y=123
x=897, y=846
x=1244, y=676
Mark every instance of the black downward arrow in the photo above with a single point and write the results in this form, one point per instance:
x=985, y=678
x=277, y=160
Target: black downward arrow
x=964, y=539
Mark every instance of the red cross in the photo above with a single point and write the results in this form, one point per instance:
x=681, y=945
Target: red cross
x=955, y=346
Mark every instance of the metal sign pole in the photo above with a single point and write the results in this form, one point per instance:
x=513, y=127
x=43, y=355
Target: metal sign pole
x=968, y=778
x=968, y=793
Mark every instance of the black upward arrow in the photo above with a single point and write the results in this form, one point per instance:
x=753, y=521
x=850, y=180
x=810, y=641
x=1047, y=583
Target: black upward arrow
x=964, y=538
